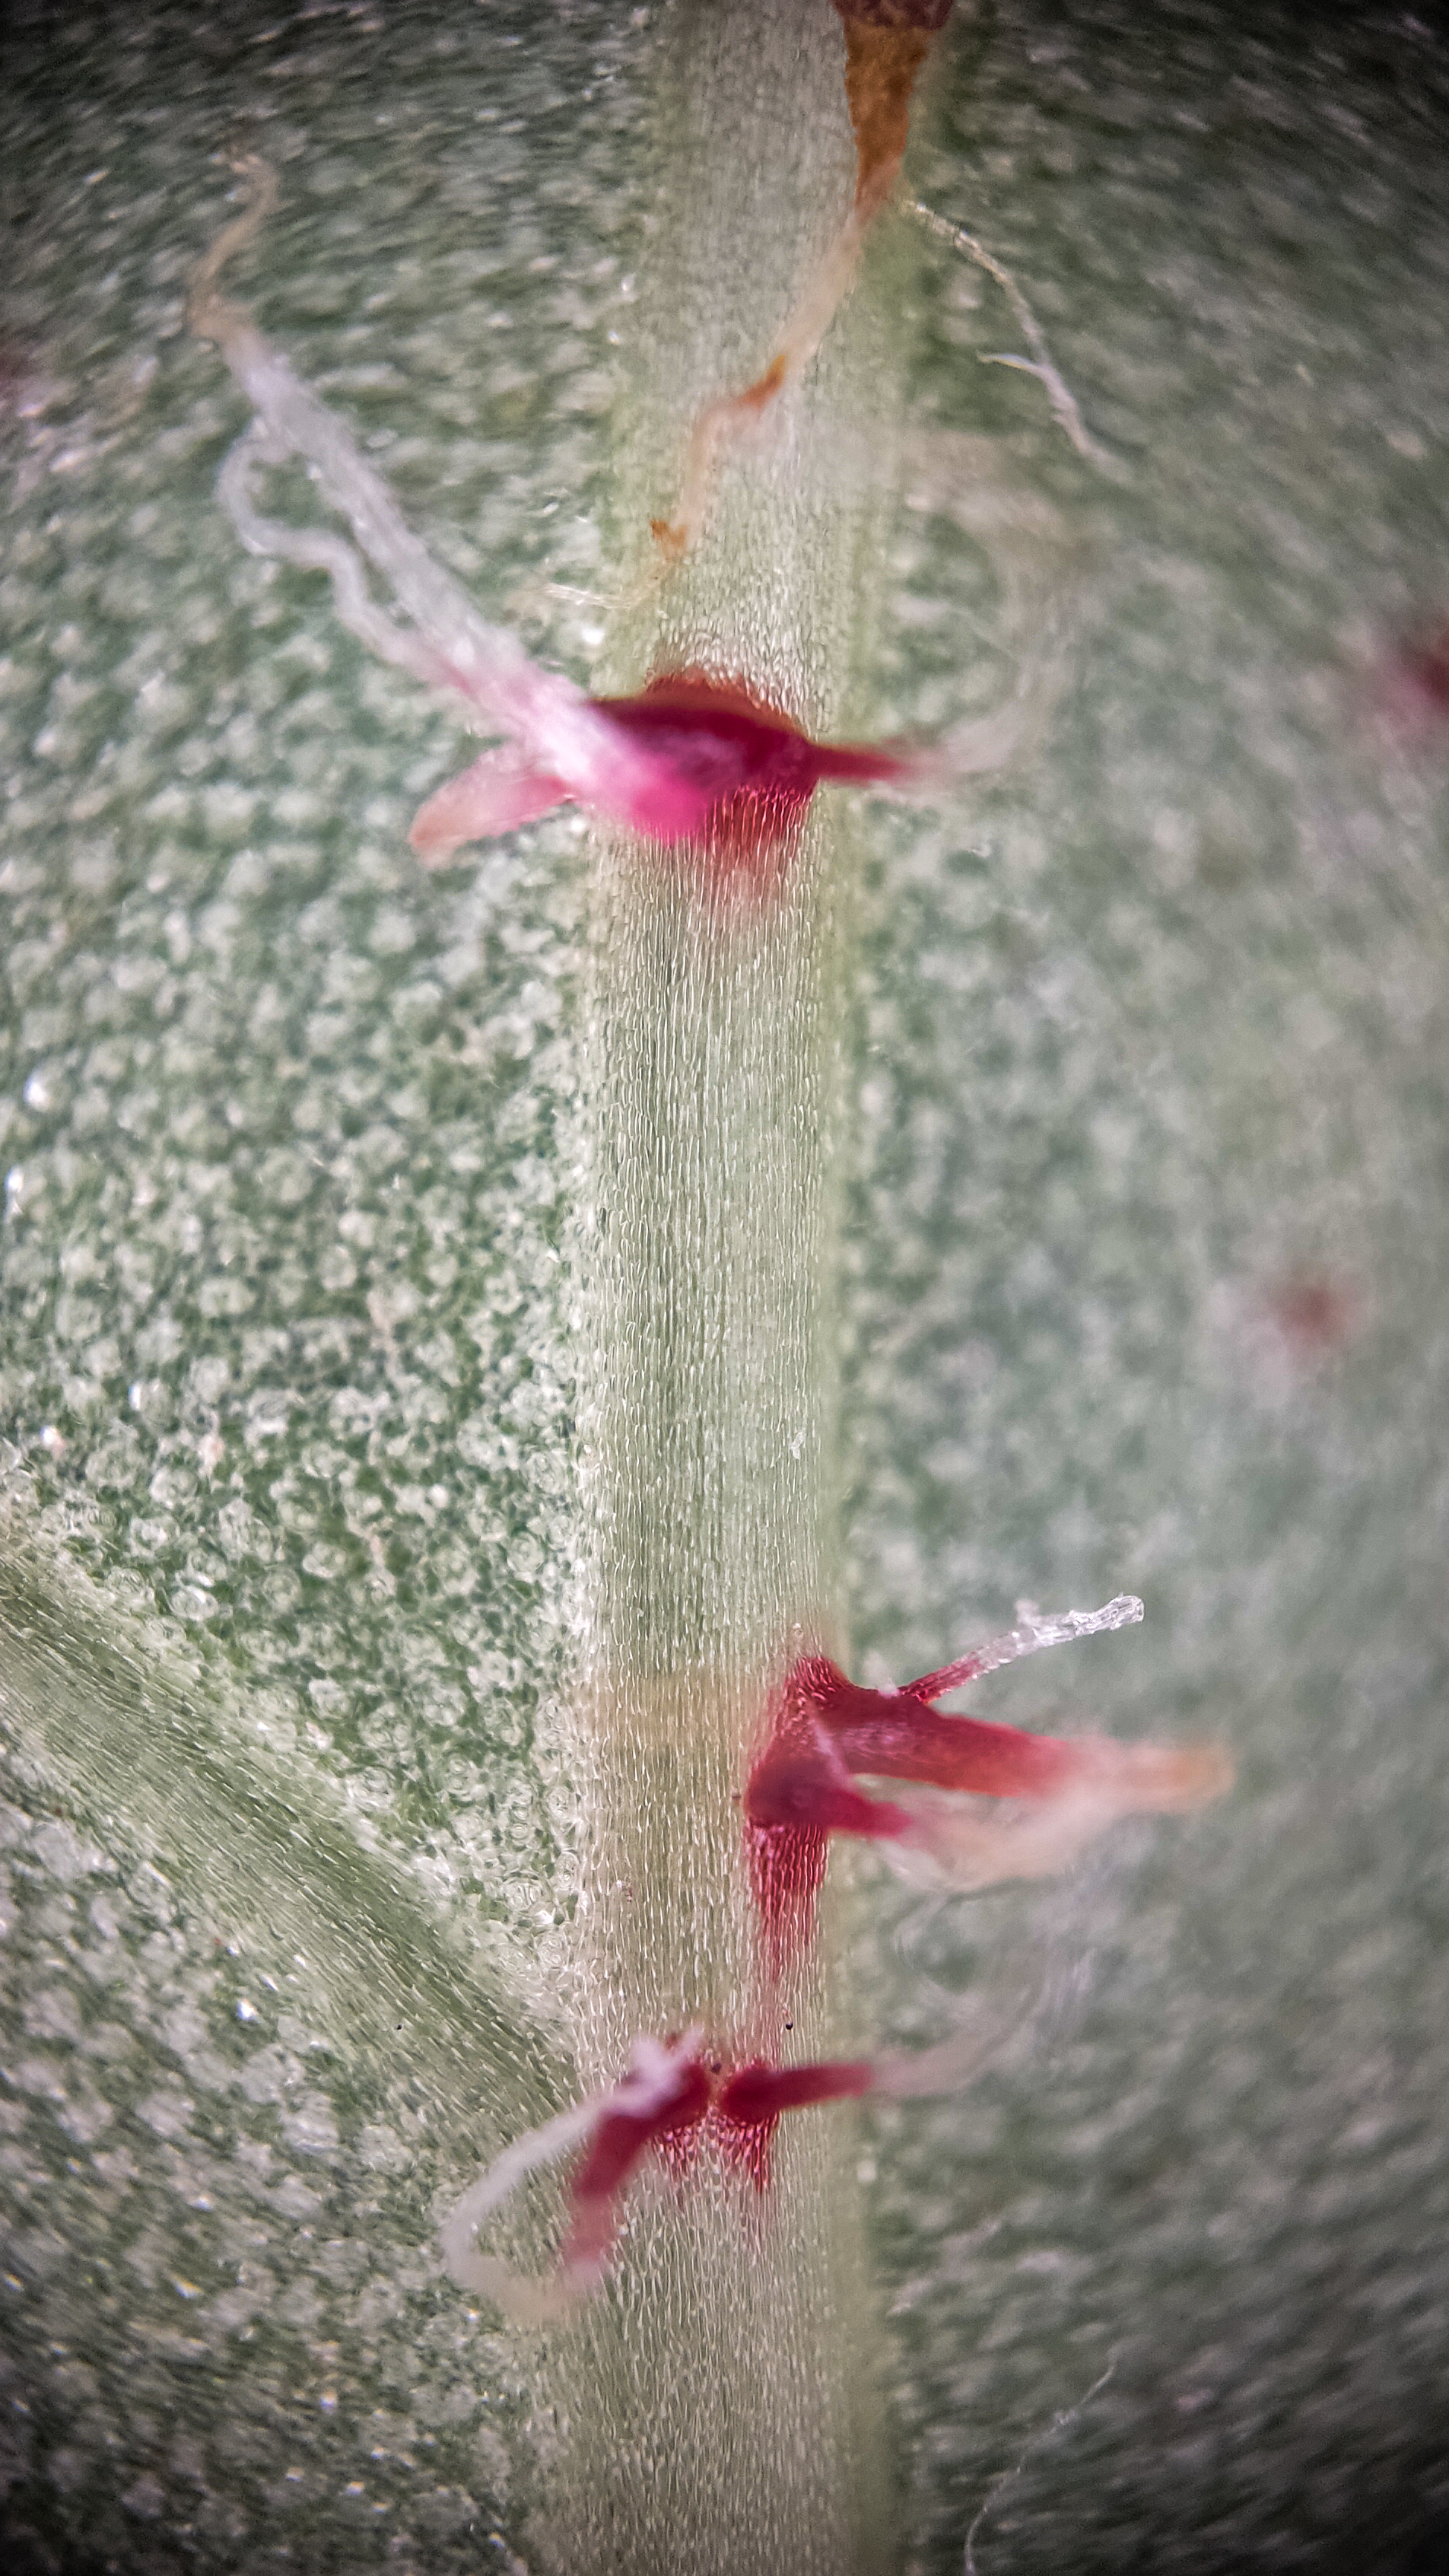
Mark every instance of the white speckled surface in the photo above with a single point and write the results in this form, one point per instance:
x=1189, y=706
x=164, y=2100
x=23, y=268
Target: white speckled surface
x=1145, y=1044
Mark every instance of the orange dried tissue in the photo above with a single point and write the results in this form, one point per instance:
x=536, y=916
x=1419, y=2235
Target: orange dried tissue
x=886, y=42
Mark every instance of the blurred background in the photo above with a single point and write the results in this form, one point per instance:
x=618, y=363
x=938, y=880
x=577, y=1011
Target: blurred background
x=1146, y=1230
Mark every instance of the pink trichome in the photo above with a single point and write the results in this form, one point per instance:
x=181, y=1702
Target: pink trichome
x=744, y=775
x=674, y=2094
x=826, y=1732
